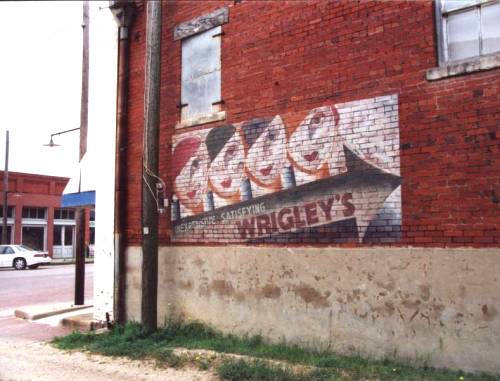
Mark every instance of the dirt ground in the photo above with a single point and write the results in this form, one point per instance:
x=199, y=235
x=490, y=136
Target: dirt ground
x=28, y=361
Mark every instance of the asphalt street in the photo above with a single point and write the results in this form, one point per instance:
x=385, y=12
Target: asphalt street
x=24, y=355
x=45, y=285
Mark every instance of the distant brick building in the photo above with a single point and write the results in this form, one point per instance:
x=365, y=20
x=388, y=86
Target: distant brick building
x=332, y=168
x=35, y=217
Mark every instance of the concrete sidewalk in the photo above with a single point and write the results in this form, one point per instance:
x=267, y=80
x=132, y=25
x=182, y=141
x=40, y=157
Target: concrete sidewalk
x=42, y=362
x=68, y=261
x=80, y=318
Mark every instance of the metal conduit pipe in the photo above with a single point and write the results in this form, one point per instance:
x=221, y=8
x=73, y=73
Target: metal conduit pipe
x=124, y=12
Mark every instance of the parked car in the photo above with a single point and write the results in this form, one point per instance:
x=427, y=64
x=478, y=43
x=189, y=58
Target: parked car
x=20, y=257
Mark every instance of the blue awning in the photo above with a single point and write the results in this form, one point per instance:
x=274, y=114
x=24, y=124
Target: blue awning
x=78, y=199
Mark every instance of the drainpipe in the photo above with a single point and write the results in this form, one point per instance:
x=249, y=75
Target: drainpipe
x=124, y=13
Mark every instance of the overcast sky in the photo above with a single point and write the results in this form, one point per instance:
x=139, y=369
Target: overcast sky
x=40, y=81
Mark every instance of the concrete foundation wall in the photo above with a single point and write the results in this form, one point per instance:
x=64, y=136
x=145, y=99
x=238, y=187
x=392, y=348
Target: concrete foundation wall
x=439, y=305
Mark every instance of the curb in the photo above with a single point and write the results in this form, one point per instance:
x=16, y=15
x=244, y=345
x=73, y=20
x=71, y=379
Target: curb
x=71, y=262
x=84, y=322
x=35, y=316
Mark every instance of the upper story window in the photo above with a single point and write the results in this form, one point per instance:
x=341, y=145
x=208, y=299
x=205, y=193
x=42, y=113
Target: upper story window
x=64, y=214
x=467, y=29
x=34, y=213
x=201, y=68
x=10, y=211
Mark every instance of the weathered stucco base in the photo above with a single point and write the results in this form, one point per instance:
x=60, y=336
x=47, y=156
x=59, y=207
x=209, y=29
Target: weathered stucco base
x=133, y=279
x=436, y=305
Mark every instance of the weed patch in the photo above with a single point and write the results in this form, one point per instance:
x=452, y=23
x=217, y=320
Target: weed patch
x=241, y=370
x=165, y=357
x=132, y=341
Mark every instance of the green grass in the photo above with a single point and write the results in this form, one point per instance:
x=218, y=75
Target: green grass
x=241, y=370
x=132, y=341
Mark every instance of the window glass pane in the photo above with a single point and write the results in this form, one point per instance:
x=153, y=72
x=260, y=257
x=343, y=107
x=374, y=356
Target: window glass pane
x=490, y=20
x=9, y=233
x=449, y=5
x=92, y=215
x=57, y=235
x=64, y=214
x=68, y=235
x=463, y=35
x=33, y=212
x=34, y=237
x=41, y=213
x=92, y=236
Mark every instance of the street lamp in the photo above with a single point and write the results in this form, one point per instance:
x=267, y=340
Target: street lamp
x=80, y=238
x=80, y=215
x=52, y=144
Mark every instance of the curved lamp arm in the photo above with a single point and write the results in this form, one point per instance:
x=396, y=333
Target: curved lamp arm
x=51, y=143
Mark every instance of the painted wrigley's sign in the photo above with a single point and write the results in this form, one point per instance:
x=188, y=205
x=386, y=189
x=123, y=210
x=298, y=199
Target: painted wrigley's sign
x=332, y=178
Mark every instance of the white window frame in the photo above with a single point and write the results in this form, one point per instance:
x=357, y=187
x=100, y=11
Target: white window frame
x=58, y=249
x=442, y=34
x=470, y=65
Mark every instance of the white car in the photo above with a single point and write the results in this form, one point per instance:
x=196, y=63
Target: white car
x=20, y=257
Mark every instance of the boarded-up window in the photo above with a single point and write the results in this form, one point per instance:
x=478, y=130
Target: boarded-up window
x=201, y=99
x=201, y=74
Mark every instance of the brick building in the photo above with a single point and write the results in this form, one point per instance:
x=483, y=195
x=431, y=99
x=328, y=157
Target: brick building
x=333, y=172
x=35, y=217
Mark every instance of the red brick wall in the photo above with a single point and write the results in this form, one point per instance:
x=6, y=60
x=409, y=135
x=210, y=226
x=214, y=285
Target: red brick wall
x=287, y=58
x=27, y=190
x=32, y=183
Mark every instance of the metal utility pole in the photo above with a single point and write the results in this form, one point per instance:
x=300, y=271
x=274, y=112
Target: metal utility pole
x=5, y=191
x=150, y=166
x=80, y=212
x=80, y=257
